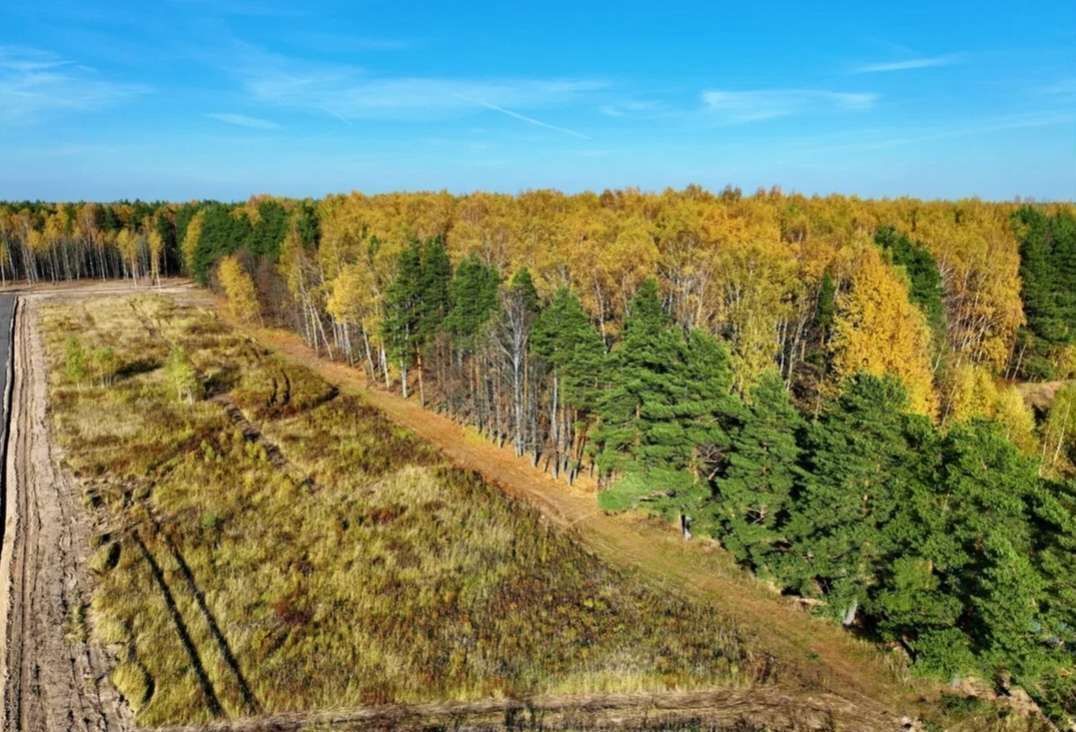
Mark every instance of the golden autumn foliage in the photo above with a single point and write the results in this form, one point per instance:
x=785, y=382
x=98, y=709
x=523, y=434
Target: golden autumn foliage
x=239, y=289
x=879, y=331
x=189, y=246
x=745, y=268
x=973, y=393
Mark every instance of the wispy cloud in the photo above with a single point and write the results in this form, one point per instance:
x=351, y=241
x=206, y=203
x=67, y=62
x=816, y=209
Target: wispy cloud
x=924, y=62
x=1063, y=89
x=764, y=104
x=353, y=93
x=35, y=82
x=880, y=139
x=529, y=120
x=243, y=8
x=242, y=120
x=634, y=108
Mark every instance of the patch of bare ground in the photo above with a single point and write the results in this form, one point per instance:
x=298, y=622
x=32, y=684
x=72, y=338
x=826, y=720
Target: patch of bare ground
x=54, y=677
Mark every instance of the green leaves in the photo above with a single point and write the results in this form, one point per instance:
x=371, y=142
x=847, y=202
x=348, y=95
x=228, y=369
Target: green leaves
x=760, y=473
x=182, y=376
x=564, y=337
x=472, y=300
x=417, y=301
x=663, y=410
x=1048, y=289
x=924, y=279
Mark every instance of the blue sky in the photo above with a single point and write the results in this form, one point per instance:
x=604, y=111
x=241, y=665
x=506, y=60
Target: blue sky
x=184, y=99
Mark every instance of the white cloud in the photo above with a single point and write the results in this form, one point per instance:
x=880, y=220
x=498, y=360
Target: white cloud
x=242, y=120
x=633, y=108
x=926, y=62
x=350, y=93
x=1063, y=88
x=35, y=82
x=763, y=104
x=530, y=120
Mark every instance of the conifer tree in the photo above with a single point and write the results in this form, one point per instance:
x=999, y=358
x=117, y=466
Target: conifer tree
x=434, y=302
x=858, y=456
x=666, y=397
x=756, y=486
x=564, y=338
x=924, y=279
x=472, y=301
x=1048, y=290
x=402, y=325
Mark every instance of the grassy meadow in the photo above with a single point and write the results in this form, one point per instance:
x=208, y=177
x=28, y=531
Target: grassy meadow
x=273, y=545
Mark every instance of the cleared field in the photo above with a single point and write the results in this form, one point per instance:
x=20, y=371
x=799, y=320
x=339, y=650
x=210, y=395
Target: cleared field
x=275, y=546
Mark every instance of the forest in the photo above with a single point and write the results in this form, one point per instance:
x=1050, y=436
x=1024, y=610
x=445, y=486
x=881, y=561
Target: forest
x=869, y=403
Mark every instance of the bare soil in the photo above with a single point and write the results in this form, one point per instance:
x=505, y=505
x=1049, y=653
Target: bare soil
x=53, y=677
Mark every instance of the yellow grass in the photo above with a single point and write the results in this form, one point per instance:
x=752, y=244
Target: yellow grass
x=316, y=556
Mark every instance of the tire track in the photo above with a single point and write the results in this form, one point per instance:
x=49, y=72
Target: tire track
x=212, y=702
x=225, y=650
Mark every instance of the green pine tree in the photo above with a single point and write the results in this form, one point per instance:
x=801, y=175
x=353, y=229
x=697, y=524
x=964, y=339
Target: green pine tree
x=402, y=324
x=924, y=279
x=663, y=410
x=566, y=339
x=858, y=456
x=756, y=485
x=472, y=301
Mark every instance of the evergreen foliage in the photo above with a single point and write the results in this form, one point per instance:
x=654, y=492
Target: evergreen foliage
x=662, y=410
x=567, y=340
x=1048, y=289
x=924, y=279
x=756, y=486
x=472, y=300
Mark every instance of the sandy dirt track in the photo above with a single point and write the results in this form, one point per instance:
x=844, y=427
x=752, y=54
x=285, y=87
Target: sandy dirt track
x=54, y=679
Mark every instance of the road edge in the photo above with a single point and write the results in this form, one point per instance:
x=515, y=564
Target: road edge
x=8, y=506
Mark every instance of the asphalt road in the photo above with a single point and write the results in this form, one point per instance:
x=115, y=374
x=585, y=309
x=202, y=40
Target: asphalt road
x=7, y=309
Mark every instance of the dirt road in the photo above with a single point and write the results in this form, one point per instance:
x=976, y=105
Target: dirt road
x=54, y=679
x=851, y=673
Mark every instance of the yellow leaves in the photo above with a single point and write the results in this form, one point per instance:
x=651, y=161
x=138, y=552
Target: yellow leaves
x=35, y=240
x=973, y=393
x=489, y=225
x=979, y=260
x=352, y=298
x=189, y=246
x=56, y=227
x=156, y=251
x=239, y=289
x=1016, y=419
x=127, y=243
x=879, y=331
x=1059, y=432
x=755, y=283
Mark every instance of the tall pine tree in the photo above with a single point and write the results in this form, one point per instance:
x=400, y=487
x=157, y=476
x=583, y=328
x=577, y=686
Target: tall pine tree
x=663, y=407
x=762, y=470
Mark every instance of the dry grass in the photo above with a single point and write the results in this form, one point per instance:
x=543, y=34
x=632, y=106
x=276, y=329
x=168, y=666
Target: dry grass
x=319, y=557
